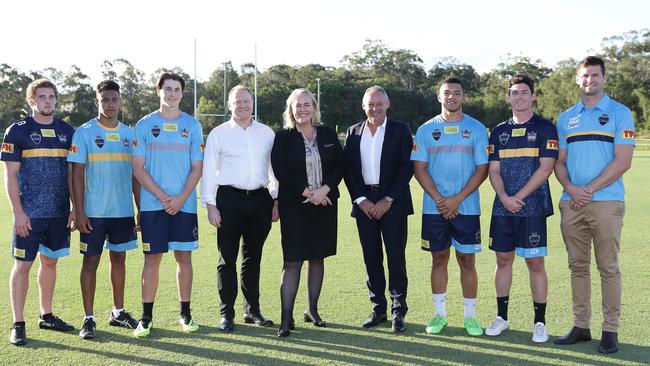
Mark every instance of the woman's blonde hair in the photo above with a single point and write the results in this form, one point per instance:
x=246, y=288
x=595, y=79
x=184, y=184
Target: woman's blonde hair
x=287, y=116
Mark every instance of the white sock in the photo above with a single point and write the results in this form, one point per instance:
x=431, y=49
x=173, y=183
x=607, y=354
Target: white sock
x=470, y=307
x=116, y=312
x=92, y=317
x=440, y=304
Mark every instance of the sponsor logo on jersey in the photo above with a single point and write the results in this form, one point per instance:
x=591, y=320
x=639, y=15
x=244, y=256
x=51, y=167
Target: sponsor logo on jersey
x=531, y=136
x=195, y=232
x=425, y=244
x=36, y=137
x=63, y=138
x=83, y=247
x=450, y=130
x=477, y=236
x=436, y=134
x=7, y=148
x=19, y=253
x=603, y=119
x=126, y=142
x=504, y=137
x=170, y=127
x=490, y=149
x=113, y=137
x=155, y=131
x=414, y=147
x=99, y=141
x=518, y=132
x=534, y=239
x=146, y=247
x=551, y=145
x=574, y=122
x=534, y=251
x=629, y=134
x=467, y=134
x=48, y=132
x=185, y=132
x=135, y=142
x=202, y=146
x=73, y=148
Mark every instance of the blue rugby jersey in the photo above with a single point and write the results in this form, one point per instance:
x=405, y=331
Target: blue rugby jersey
x=106, y=153
x=518, y=148
x=168, y=147
x=43, y=176
x=589, y=136
x=452, y=150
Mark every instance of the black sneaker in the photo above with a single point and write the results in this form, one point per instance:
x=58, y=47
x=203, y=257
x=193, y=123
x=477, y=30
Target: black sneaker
x=18, y=336
x=123, y=320
x=53, y=322
x=88, y=329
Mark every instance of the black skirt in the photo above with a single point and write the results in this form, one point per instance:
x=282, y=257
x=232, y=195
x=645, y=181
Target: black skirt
x=308, y=231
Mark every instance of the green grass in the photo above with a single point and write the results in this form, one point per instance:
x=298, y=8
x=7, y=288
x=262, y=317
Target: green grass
x=344, y=305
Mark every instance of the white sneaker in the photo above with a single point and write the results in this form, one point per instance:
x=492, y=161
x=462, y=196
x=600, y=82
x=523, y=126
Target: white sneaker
x=497, y=327
x=540, y=333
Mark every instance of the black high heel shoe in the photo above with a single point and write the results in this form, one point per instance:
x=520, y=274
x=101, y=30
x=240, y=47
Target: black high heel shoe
x=286, y=332
x=318, y=323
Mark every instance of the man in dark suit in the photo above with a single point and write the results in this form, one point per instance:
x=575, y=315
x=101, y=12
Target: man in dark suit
x=378, y=171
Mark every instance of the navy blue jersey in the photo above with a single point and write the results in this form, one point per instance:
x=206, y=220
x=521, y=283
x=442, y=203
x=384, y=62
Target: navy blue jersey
x=518, y=148
x=41, y=151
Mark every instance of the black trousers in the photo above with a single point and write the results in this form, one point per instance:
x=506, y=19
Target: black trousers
x=393, y=231
x=246, y=217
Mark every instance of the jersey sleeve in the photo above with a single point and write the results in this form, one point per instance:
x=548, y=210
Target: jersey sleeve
x=78, y=151
x=493, y=147
x=419, y=151
x=140, y=139
x=480, y=146
x=548, y=141
x=197, y=147
x=561, y=133
x=11, y=145
x=625, y=133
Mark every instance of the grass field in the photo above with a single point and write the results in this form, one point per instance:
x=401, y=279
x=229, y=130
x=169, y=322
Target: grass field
x=344, y=305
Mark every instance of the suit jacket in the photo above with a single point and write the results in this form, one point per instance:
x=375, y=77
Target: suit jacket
x=395, y=169
x=289, y=167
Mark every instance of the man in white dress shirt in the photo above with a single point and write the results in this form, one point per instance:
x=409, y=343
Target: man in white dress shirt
x=239, y=190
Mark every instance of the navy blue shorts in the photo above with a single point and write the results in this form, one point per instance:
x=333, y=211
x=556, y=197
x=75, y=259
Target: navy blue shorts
x=116, y=234
x=162, y=232
x=463, y=231
x=525, y=235
x=50, y=236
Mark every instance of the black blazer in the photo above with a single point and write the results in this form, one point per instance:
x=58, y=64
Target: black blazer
x=395, y=169
x=289, y=167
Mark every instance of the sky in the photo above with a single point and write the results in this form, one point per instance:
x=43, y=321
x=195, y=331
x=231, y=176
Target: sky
x=152, y=34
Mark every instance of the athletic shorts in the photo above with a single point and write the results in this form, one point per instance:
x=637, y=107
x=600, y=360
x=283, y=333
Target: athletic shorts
x=50, y=236
x=162, y=232
x=463, y=231
x=116, y=234
x=525, y=235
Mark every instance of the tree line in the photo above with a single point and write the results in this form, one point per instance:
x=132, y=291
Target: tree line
x=401, y=72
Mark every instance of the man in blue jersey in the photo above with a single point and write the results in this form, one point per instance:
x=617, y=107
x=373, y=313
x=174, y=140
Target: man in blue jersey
x=34, y=151
x=450, y=162
x=167, y=161
x=522, y=152
x=102, y=186
x=596, y=141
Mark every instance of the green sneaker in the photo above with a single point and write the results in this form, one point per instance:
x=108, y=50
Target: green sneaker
x=436, y=325
x=473, y=327
x=144, y=327
x=189, y=326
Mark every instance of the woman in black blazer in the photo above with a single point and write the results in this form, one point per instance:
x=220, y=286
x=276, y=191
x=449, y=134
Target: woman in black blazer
x=307, y=160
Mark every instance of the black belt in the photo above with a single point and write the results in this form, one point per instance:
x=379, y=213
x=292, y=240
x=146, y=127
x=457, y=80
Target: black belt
x=372, y=187
x=248, y=192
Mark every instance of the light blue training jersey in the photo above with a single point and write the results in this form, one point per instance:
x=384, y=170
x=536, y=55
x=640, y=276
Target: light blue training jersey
x=589, y=135
x=169, y=147
x=106, y=154
x=452, y=150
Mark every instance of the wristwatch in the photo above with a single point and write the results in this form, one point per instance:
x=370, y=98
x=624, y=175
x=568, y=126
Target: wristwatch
x=389, y=199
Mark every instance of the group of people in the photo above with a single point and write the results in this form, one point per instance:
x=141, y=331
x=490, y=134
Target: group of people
x=251, y=177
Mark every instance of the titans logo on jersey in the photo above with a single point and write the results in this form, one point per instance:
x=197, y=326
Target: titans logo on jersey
x=518, y=148
x=41, y=151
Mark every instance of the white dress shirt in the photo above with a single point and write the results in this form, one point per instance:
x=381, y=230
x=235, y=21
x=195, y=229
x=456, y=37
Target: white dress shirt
x=238, y=157
x=370, y=149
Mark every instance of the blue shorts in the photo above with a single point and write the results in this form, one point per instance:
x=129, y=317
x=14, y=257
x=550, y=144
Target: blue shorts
x=162, y=232
x=463, y=231
x=116, y=234
x=525, y=235
x=50, y=236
